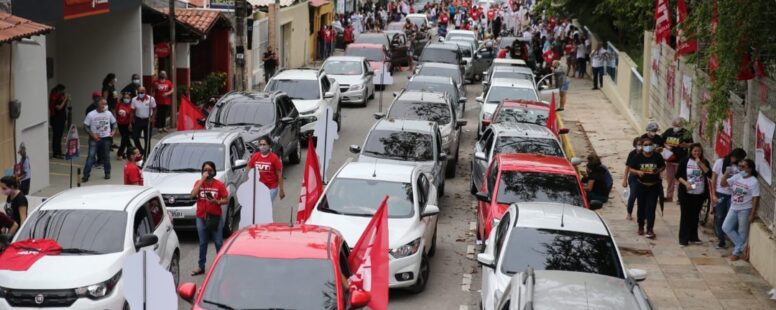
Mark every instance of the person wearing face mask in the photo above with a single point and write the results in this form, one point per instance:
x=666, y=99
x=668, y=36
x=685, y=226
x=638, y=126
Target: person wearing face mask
x=647, y=166
x=133, y=86
x=22, y=170
x=132, y=174
x=163, y=90
x=124, y=121
x=210, y=194
x=652, y=133
x=143, y=111
x=269, y=168
x=744, y=200
x=677, y=140
x=15, y=201
x=109, y=90
x=693, y=175
x=720, y=195
x=100, y=125
x=630, y=179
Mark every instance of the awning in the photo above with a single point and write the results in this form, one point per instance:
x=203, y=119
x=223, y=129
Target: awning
x=201, y=19
x=268, y=2
x=191, y=24
x=14, y=28
x=319, y=3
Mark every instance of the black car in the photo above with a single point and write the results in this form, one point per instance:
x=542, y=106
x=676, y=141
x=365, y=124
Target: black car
x=260, y=114
x=442, y=53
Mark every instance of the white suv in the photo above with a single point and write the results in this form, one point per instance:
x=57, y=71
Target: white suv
x=97, y=228
x=175, y=164
x=310, y=90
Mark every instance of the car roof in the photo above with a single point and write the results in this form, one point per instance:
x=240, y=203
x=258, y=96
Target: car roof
x=366, y=45
x=517, y=83
x=509, y=61
x=529, y=162
x=525, y=70
x=280, y=240
x=97, y=197
x=523, y=130
x=556, y=289
x=421, y=96
x=432, y=79
x=524, y=103
x=377, y=171
x=404, y=125
x=460, y=43
x=297, y=74
x=458, y=31
x=439, y=65
x=373, y=34
x=261, y=97
x=346, y=58
x=215, y=135
x=442, y=46
x=549, y=215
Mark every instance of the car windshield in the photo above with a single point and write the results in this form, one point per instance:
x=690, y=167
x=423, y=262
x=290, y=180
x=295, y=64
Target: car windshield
x=443, y=55
x=373, y=38
x=496, y=94
x=184, y=157
x=451, y=35
x=371, y=54
x=548, y=249
x=506, y=41
x=438, y=112
x=516, y=187
x=359, y=197
x=296, y=89
x=522, y=115
x=512, y=75
x=448, y=88
x=243, y=112
x=337, y=67
x=400, y=145
x=417, y=20
x=516, y=144
x=239, y=282
x=78, y=231
x=454, y=73
x=395, y=26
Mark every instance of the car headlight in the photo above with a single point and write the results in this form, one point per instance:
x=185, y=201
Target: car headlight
x=407, y=249
x=356, y=87
x=99, y=290
x=486, y=115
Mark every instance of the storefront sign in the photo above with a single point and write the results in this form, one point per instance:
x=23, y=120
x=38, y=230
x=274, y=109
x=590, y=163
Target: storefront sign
x=162, y=50
x=81, y=8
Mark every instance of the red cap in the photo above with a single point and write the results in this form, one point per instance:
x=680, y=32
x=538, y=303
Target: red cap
x=96, y=94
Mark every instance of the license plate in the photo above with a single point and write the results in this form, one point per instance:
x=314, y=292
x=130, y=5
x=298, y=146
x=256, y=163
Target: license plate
x=176, y=214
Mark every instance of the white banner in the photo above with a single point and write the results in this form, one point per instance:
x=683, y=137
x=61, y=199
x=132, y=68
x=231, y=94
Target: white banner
x=255, y=201
x=686, y=97
x=764, y=147
x=655, y=65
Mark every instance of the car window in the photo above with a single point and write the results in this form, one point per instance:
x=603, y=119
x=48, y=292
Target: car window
x=155, y=212
x=516, y=187
x=343, y=67
x=399, y=145
x=492, y=175
x=454, y=73
x=487, y=143
x=95, y=231
x=141, y=224
x=242, y=111
x=543, y=146
x=501, y=234
x=296, y=88
x=444, y=88
x=371, y=54
x=496, y=94
x=185, y=157
x=443, y=55
x=522, y=115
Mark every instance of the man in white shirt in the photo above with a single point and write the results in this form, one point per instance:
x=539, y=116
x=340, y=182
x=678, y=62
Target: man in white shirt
x=597, y=60
x=101, y=126
x=143, y=112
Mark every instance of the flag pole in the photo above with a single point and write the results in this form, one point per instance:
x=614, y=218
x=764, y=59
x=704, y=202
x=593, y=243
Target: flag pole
x=325, y=144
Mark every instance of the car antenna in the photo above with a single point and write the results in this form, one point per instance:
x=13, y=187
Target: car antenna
x=562, y=213
x=374, y=170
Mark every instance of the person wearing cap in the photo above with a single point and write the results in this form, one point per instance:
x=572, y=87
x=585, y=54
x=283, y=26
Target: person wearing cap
x=23, y=172
x=652, y=133
x=96, y=96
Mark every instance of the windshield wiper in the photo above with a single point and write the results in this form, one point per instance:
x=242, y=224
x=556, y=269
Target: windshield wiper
x=220, y=305
x=184, y=170
x=243, y=124
x=158, y=168
x=217, y=124
x=79, y=251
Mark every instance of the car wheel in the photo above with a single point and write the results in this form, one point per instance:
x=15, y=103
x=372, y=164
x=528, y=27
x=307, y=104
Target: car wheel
x=441, y=189
x=175, y=268
x=423, y=272
x=339, y=118
x=296, y=156
x=432, y=250
x=450, y=169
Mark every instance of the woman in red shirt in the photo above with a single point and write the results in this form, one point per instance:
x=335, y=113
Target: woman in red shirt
x=124, y=121
x=132, y=173
x=211, y=194
x=269, y=168
x=163, y=90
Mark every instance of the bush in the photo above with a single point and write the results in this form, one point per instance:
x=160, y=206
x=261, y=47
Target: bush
x=211, y=87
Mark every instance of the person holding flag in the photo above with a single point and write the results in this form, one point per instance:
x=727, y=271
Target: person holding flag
x=269, y=168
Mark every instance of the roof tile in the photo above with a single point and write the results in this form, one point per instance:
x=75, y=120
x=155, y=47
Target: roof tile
x=15, y=28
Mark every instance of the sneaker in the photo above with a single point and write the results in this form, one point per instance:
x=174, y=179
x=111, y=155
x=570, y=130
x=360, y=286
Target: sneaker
x=641, y=231
x=107, y=176
x=683, y=244
x=84, y=179
x=650, y=234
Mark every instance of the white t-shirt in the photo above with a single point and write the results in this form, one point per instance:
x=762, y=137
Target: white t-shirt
x=580, y=51
x=695, y=177
x=598, y=57
x=717, y=168
x=143, y=106
x=100, y=123
x=744, y=189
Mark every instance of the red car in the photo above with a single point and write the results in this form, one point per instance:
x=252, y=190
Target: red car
x=521, y=111
x=277, y=266
x=515, y=178
x=376, y=54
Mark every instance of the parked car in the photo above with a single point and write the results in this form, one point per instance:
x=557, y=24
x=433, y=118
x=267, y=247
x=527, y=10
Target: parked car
x=293, y=259
x=396, y=47
x=97, y=228
x=256, y=115
x=311, y=91
x=511, y=138
x=505, y=72
x=353, y=196
x=466, y=52
x=558, y=290
x=379, y=61
x=439, y=84
x=441, y=53
x=414, y=105
x=521, y=178
x=500, y=90
x=549, y=236
x=461, y=33
x=175, y=164
x=355, y=78
x=521, y=111
x=504, y=62
x=410, y=142
x=443, y=69
x=482, y=60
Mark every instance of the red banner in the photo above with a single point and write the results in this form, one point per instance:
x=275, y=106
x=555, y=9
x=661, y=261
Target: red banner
x=369, y=258
x=552, y=119
x=81, y=8
x=685, y=43
x=662, y=22
x=189, y=116
x=724, y=143
x=312, y=184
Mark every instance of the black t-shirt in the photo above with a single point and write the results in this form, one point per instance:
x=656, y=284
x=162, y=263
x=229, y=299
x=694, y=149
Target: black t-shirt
x=657, y=139
x=130, y=88
x=111, y=99
x=631, y=155
x=598, y=175
x=90, y=108
x=672, y=138
x=648, y=164
x=270, y=63
x=12, y=206
x=6, y=221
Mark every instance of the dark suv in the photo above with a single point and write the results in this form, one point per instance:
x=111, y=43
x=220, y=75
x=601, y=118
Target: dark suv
x=260, y=114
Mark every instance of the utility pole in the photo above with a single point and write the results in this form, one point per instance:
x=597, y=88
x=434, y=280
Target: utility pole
x=240, y=9
x=173, y=66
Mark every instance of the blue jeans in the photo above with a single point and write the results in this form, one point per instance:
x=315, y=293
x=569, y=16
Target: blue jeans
x=273, y=193
x=103, y=148
x=634, y=188
x=205, y=236
x=720, y=212
x=736, y=226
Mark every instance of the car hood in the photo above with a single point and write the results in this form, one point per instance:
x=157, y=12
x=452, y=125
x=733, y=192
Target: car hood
x=64, y=272
x=400, y=230
x=305, y=106
x=347, y=79
x=174, y=183
x=252, y=133
x=489, y=107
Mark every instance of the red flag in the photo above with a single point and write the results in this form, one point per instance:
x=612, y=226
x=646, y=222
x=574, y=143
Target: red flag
x=369, y=258
x=684, y=43
x=21, y=255
x=189, y=116
x=312, y=184
x=552, y=119
x=662, y=21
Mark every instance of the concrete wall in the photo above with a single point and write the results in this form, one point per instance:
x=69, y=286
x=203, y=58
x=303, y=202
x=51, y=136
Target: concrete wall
x=297, y=18
x=7, y=147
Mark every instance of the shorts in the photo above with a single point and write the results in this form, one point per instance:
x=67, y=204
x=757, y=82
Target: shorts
x=565, y=86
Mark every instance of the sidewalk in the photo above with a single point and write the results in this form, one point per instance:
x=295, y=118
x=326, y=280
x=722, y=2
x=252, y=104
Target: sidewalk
x=693, y=277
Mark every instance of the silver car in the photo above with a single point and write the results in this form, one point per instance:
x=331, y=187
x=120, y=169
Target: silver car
x=467, y=48
x=438, y=84
x=355, y=78
x=410, y=142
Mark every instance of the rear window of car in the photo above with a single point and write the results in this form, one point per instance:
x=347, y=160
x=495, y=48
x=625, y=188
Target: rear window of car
x=454, y=73
x=438, y=112
x=400, y=145
x=517, y=144
x=379, y=38
x=443, y=55
x=522, y=115
x=516, y=187
x=371, y=54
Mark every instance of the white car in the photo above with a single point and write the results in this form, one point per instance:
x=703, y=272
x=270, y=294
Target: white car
x=97, y=228
x=499, y=90
x=461, y=33
x=175, y=164
x=548, y=236
x=355, y=78
x=355, y=193
x=311, y=91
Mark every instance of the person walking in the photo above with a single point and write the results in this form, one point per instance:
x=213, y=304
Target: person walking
x=581, y=55
x=15, y=201
x=652, y=133
x=132, y=173
x=58, y=104
x=720, y=195
x=744, y=201
x=210, y=194
x=693, y=175
x=561, y=82
x=22, y=170
x=163, y=90
x=598, y=59
x=143, y=111
x=270, y=61
x=647, y=166
x=676, y=140
x=133, y=86
x=100, y=125
x=269, y=168
x=124, y=121
x=630, y=180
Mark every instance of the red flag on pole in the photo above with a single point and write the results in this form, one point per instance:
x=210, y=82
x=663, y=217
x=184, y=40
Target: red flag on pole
x=312, y=184
x=662, y=22
x=189, y=116
x=369, y=259
x=685, y=43
x=552, y=119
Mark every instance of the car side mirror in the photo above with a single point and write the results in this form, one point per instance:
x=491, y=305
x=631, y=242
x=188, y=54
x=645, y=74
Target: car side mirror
x=637, y=274
x=576, y=161
x=442, y=156
x=328, y=95
x=287, y=120
x=430, y=210
x=563, y=131
x=359, y=298
x=480, y=156
x=460, y=123
x=355, y=149
x=480, y=99
x=187, y=290
x=396, y=94
x=482, y=196
x=486, y=260
x=239, y=164
x=596, y=204
x=146, y=240
x=379, y=115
